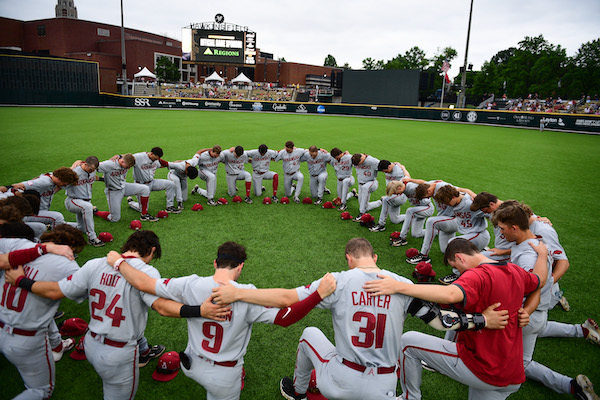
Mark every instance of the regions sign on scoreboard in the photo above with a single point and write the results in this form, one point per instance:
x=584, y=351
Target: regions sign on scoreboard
x=219, y=43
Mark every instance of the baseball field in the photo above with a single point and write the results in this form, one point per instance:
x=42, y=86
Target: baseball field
x=557, y=174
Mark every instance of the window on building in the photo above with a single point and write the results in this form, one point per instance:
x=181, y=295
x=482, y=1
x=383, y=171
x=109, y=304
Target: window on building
x=65, y=13
x=41, y=30
x=103, y=32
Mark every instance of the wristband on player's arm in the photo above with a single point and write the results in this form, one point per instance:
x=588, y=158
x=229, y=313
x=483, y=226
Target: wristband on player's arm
x=190, y=311
x=23, y=256
x=24, y=283
x=294, y=313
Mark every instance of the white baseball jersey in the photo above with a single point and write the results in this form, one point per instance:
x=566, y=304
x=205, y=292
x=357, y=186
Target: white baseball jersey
x=500, y=241
x=367, y=171
x=469, y=221
x=22, y=309
x=443, y=209
x=215, y=340
x=367, y=329
x=343, y=167
x=410, y=192
x=550, y=238
x=118, y=311
x=83, y=189
x=233, y=165
x=396, y=174
x=261, y=163
x=318, y=164
x=206, y=162
x=525, y=257
x=290, y=161
x=44, y=185
x=144, y=168
x=114, y=174
x=179, y=169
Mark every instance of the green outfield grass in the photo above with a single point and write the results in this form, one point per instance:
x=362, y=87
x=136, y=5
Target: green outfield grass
x=291, y=245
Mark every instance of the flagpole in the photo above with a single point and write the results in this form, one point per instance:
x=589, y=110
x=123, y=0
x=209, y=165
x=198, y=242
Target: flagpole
x=443, y=86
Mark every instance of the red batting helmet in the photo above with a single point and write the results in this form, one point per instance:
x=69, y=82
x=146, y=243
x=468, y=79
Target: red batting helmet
x=222, y=201
x=328, y=204
x=236, y=199
x=162, y=214
x=78, y=353
x=307, y=200
x=136, y=225
x=423, y=272
x=73, y=327
x=313, y=392
x=345, y=215
x=105, y=237
x=410, y=253
x=267, y=200
x=394, y=235
x=167, y=368
x=284, y=200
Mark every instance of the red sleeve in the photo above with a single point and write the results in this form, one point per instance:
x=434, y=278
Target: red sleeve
x=163, y=163
x=531, y=280
x=20, y=257
x=471, y=285
x=294, y=313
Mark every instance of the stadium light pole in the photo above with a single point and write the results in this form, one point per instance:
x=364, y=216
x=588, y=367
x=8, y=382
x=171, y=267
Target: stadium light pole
x=463, y=82
x=123, y=60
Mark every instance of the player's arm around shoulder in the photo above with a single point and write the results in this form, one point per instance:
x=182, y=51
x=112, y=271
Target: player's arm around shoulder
x=136, y=278
x=387, y=285
x=48, y=289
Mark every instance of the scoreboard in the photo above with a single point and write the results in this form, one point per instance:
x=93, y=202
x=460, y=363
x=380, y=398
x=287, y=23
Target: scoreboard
x=219, y=43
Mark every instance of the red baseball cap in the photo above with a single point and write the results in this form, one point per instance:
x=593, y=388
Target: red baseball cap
x=307, y=200
x=162, y=214
x=78, y=353
x=136, y=225
x=267, y=200
x=236, y=199
x=285, y=200
x=105, y=237
x=73, y=327
x=424, y=268
x=328, y=204
x=197, y=207
x=167, y=368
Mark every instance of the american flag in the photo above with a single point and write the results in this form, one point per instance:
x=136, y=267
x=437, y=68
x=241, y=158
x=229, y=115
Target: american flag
x=445, y=66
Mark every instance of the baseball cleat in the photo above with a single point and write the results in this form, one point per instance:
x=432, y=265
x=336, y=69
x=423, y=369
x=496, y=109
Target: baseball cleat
x=173, y=210
x=59, y=314
x=211, y=202
x=591, y=331
x=318, y=201
x=180, y=205
x=95, y=242
x=195, y=189
x=275, y=199
x=66, y=345
x=327, y=191
x=94, y=210
x=377, y=228
x=148, y=218
x=354, y=193
x=564, y=303
x=427, y=367
x=358, y=218
x=287, y=390
x=418, y=258
x=263, y=189
x=154, y=352
x=129, y=199
x=296, y=199
x=582, y=388
x=399, y=242
x=448, y=279
x=343, y=207
x=248, y=200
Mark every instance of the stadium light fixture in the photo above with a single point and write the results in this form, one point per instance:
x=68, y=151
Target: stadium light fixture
x=462, y=98
x=123, y=59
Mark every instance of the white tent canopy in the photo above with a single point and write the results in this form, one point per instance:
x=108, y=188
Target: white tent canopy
x=144, y=73
x=214, y=77
x=241, y=78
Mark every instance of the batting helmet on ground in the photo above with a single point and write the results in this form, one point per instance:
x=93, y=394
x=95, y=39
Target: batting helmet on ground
x=423, y=272
x=105, y=237
x=136, y=225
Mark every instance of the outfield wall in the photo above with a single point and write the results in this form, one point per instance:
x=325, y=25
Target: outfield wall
x=562, y=122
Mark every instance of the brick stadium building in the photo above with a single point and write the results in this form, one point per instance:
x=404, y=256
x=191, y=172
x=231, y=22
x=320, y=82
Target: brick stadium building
x=69, y=37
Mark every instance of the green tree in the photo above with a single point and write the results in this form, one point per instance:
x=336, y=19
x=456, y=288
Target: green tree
x=346, y=66
x=369, y=63
x=330, y=61
x=586, y=69
x=414, y=58
x=166, y=71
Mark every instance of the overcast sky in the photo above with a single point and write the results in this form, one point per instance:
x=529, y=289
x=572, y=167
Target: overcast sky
x=306, y=31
